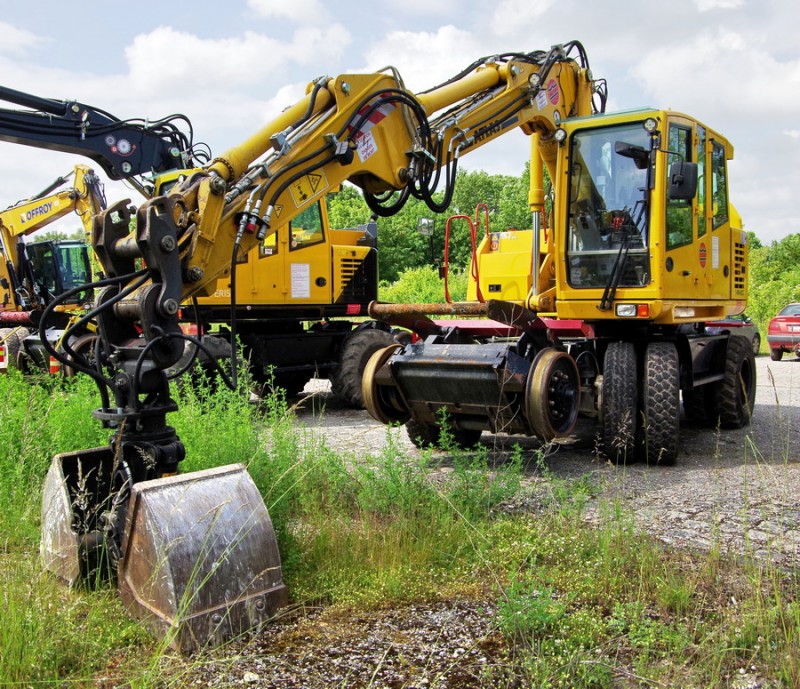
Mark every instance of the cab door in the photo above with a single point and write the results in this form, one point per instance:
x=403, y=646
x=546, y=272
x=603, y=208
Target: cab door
x=698, y=251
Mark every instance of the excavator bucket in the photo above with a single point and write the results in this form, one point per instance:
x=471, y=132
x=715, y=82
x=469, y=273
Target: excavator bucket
x=199, y=561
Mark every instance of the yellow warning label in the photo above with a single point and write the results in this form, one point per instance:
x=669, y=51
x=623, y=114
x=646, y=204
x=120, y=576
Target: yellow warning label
x=308, y=186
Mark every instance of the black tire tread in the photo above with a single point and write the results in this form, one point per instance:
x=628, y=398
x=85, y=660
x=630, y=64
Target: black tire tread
x=735, y=395
x=620, y=392
x=661, y=403
x=353, y=357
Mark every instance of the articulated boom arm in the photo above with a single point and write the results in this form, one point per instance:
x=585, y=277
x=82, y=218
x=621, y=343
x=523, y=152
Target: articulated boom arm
x=85, y=197
x=124, y=149
x=366, y=129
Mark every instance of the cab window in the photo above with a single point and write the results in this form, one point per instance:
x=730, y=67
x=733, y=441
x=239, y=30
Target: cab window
x=719, y=181
x=306, y=228
x=679, y=212
x=701, y=181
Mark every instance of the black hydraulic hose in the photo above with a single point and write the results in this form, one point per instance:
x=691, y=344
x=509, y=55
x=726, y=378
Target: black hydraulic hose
x=74, y=363
x=234, y=359
x=137, y=371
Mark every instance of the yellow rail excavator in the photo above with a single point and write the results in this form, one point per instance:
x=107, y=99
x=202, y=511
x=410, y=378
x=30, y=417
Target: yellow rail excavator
x=33, y=274
x=195, y=555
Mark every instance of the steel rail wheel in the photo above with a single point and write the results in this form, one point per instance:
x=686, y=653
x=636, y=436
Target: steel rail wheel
x=552, y=394
x=382, y=401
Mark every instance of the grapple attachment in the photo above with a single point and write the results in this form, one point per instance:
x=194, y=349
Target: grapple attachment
x=198, y=563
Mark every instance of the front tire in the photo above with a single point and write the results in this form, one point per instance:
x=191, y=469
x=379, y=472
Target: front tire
x=776, y=354
x=660, y=404
x=619, y=402
x=12, y=339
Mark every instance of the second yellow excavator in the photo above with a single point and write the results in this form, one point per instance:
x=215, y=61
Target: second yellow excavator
x=33, y=274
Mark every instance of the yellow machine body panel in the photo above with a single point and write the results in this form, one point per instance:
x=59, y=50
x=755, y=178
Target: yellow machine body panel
x=306, y=263
x=624, y=247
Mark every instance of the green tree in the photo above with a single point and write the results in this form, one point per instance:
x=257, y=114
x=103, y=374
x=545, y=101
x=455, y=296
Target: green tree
x=774, y=278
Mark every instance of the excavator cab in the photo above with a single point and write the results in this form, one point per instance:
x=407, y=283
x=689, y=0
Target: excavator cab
x=59, y=266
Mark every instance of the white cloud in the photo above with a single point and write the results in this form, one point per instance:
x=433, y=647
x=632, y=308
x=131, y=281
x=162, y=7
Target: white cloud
x=425, y=7
x=707, y=5
x=14, y=41
x=306, y=11
x=510, y=15
x=792, y=133
x=722, y=72
x=424, y=58
x=166, y=59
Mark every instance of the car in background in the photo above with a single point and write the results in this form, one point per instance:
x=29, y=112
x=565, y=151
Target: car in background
x=741, y=325
x=784, y=332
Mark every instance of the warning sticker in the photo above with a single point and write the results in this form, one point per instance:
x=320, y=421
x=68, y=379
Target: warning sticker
x=366, y=146
x=715, y=252
x=702, y=254
x=552, y=91
x=308, y=186
x=301, y=280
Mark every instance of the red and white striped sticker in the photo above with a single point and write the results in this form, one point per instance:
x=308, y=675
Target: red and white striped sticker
x=365, y=141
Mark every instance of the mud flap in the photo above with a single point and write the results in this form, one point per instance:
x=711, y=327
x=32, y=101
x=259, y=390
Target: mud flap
x=200, y=560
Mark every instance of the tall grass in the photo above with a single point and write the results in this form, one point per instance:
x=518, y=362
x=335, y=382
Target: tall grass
x=577, y=606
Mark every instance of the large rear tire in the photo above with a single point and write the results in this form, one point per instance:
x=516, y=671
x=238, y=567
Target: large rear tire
x=356, y=351
x=618, y=405
x=12, y=339
x=736, y=393
x=660, y=404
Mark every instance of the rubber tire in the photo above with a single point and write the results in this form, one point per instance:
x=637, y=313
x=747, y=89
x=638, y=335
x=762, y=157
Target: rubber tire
x=428, y=435
x=619, y=409
x=776, y=354
x=13, y=340
x=356, y=351
x=83, y=347
x=660, y=418
x=736, y=393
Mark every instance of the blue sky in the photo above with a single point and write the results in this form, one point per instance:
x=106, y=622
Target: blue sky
x=232, y=66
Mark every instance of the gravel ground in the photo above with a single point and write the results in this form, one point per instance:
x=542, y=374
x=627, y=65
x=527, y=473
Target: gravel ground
x=735, y=489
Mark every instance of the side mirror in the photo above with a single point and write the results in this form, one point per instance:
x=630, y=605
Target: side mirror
x=639, y=155
x=682, y=181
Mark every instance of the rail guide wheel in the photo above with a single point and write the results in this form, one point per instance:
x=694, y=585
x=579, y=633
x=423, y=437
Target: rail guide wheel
x=552, y=394
x=382, y=401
